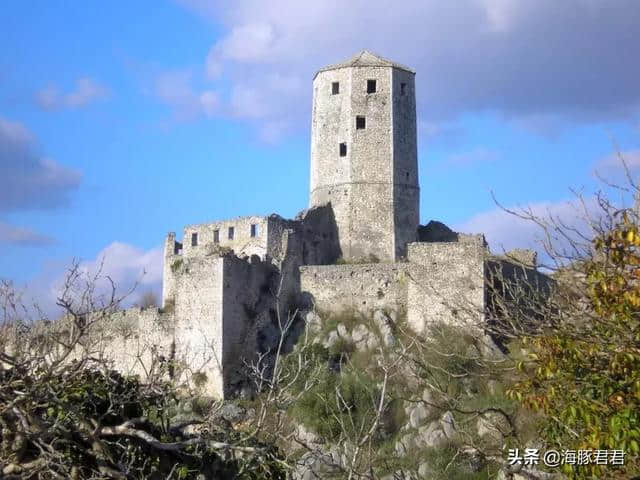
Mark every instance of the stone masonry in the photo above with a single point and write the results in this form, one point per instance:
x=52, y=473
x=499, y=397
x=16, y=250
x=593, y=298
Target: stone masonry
x=229, y=284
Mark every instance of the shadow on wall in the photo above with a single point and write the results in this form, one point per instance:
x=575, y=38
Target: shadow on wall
x=516, y=298
x=436, y=231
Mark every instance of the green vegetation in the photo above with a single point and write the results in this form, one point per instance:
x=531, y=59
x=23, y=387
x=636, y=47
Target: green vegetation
x=177, y=265
x=583, y=371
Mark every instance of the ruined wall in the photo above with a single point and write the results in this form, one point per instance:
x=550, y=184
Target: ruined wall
x=172, y=252
x=363, y=288
x=198, y=319
x=249, y=294
x=242, y=242
x=135, y=340
x=446, y=283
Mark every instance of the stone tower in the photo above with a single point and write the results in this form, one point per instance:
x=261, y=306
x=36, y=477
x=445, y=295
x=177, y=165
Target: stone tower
x=364, y=154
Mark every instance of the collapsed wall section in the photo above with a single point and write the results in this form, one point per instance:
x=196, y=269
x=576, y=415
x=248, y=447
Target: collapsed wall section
x=135, y=341
x=446, y=283
x=361, y=287
x=244, y=235
x=249, y=292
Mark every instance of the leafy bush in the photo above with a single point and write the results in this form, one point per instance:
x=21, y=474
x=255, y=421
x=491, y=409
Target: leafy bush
x=583, y=371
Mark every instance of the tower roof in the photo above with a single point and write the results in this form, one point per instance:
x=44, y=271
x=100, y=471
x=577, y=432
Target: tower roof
x=365, y=58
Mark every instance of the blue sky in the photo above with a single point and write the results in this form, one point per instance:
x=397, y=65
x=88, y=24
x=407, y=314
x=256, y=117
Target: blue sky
x=121, y=121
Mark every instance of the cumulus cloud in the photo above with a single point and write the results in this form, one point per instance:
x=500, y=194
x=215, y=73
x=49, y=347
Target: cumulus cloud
x=529, y=60
x=85, y=92
x=175, y=89
x=505, y=231
x=128, y=266
x=27, y=179
x=12, y=235
x=618, y=160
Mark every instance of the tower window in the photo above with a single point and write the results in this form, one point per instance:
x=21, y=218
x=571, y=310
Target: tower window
x=371, y=86
x=194, y=239
x=403, y=89
x=360, y=123
x=343, y=149
x=232, y=232
x=335, y=88
x=254, y=230
x=216, y=236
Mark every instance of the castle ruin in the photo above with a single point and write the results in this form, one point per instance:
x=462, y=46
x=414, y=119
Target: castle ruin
x=359, y=245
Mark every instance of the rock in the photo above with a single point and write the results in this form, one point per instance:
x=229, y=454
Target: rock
x=448, y=425
x=307, y=436
x=313, y=321
x=425, y=470
x=233, y=413
x=473, y=459
x=406, y=444
x=314, y=465
x=342, y=331
x=427, y=396
x=360, y=334
x=331, y=339
x=491, y=425
x=372, y=342
x=417, y=415
x=431, y=435
x=384, y=324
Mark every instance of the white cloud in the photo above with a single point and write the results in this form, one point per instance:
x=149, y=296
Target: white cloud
x=86, y=91
x=513, y=57
x=12, y=235
x=175, y=89
x=617, y=161
x=505, y=231
x=125, y=264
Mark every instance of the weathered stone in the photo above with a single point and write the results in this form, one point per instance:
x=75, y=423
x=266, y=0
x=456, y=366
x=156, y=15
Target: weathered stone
x=331, y=339
x=307, y=436
x=342, y=331
x=425, y=470
x=385, y=327
x=233, y=413
x=448, y=425
x=360, y=333
x=491, y=425
x=313, y=321
x=431, y=435
x=417, y=414
x=315, y=465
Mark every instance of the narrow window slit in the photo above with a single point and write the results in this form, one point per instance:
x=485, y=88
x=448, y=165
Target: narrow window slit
x=343, y=149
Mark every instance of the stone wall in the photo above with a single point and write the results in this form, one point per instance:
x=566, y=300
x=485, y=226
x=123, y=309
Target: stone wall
x=198, y=318
x=446, y=283
x=135, y=340
x=362, y=288
x=406, y=190
x=249, y=308
x=242, y=242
